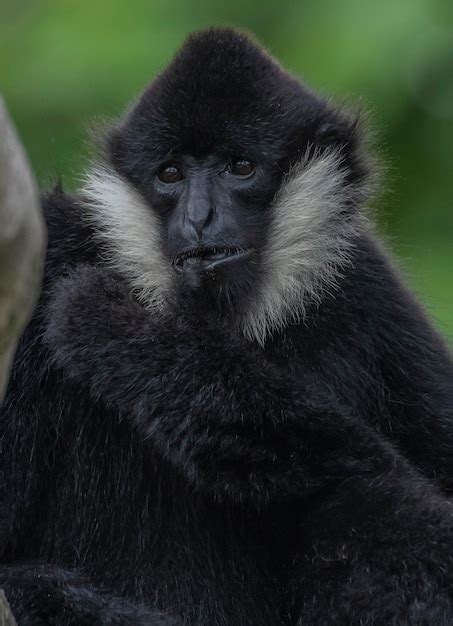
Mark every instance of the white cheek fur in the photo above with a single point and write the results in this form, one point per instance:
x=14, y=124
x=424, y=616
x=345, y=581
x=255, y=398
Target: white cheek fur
x=130, y=234
x=311, y=240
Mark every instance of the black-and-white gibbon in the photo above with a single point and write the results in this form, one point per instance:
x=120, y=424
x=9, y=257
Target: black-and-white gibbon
x=228, y=409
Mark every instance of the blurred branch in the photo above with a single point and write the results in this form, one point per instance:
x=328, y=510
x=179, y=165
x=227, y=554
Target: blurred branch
x=6, y=617
x=22, y=241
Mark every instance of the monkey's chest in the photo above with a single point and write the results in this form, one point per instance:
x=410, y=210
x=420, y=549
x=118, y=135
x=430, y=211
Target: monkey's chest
x=136, y=527
x=212, y=565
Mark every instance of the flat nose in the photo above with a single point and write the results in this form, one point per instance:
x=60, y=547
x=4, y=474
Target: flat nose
x=199, y=207
x=199, y=218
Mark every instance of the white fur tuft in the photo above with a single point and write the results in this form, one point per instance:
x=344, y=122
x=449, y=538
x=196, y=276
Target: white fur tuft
x=130, y=232
x=311, y=240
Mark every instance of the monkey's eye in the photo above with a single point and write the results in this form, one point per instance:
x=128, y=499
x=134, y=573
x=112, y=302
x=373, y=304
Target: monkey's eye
x=240, y=167
x=170, y=173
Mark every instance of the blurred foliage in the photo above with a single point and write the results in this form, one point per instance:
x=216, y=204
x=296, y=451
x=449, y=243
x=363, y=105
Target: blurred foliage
x=63, y=63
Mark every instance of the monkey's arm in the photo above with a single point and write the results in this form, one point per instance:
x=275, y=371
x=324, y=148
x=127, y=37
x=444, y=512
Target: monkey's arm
x=377, y=549
x=230, y=420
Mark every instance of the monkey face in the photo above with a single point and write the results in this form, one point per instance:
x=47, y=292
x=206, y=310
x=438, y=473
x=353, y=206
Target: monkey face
x=214, y=210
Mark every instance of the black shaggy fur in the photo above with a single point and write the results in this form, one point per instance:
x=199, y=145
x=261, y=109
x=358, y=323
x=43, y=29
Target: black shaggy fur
x=158, y=468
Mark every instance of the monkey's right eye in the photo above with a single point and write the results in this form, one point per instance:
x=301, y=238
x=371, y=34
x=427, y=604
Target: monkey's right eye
x=170, y=173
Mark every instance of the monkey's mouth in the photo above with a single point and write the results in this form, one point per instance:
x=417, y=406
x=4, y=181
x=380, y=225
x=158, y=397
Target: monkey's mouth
x=209, y=258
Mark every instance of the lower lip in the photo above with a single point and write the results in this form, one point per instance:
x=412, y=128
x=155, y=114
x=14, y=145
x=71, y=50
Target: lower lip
x=210, y=264
x=214, y=262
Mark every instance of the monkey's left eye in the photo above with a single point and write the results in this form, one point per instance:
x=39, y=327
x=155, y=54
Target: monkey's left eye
x=170, y=173
x=240, y=167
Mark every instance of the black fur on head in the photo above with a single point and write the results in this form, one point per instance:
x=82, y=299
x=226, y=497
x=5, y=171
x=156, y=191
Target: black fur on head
x=224, y=92
x=223, y=97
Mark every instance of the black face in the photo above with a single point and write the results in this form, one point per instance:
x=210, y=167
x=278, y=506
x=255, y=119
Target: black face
x=207, y=146
x=214, y=210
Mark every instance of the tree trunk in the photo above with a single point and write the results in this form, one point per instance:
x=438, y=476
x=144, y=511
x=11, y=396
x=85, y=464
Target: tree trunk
x=22, y=240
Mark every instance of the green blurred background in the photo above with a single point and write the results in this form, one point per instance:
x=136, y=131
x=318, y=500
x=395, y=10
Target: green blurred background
x=64, y=62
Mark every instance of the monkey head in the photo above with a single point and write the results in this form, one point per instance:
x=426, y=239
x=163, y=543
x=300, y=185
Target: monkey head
x=232, y=183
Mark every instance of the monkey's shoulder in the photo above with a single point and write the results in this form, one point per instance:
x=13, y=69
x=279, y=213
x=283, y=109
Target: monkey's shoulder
x=70, y=242
x=69, y=233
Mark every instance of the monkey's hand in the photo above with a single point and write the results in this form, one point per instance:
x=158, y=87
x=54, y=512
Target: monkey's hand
x=216, y=407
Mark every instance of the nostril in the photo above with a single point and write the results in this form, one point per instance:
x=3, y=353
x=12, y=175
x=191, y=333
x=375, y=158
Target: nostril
x=209, y=217
x=198, y=227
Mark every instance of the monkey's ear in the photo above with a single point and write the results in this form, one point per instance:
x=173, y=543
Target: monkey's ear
x=347, y=133
x=107, y=142
x=115, y=147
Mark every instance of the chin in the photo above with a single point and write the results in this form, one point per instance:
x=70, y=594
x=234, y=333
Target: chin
x=223, y=286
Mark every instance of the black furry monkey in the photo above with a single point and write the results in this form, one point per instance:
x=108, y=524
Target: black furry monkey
x=228, y=409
